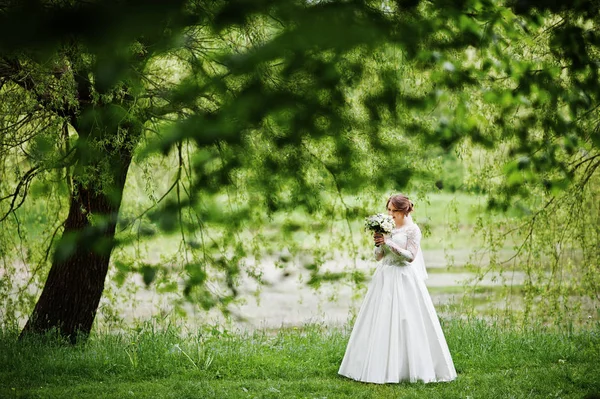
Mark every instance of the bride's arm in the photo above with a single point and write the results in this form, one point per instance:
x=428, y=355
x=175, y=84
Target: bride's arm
x=378, y=253
x=412, y=244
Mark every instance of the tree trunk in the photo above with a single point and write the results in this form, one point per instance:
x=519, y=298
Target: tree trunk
x=72, y=292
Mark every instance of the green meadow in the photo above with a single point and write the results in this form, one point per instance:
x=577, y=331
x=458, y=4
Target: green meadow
x=492, y=361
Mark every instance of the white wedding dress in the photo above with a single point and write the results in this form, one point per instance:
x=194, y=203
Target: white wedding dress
x=397, y=335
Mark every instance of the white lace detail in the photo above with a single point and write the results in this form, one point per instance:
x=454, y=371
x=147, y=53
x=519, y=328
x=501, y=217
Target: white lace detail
x=413, y=240
x=378, y=252
x=404, y=242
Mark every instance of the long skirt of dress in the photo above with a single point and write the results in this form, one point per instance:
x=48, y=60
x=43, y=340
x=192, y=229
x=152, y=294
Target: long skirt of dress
x=397, y=335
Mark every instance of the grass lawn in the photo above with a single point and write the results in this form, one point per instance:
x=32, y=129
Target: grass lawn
x=492, y=362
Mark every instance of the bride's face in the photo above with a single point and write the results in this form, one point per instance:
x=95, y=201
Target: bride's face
x=396, y=214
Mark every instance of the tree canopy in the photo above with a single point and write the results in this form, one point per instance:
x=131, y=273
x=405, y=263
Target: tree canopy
x=282, y=103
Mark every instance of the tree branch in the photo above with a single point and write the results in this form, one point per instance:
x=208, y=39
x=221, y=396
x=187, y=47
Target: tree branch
x=24, y=182
x=14, y=71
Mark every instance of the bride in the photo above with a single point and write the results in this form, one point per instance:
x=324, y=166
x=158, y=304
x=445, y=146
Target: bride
x=397, y=335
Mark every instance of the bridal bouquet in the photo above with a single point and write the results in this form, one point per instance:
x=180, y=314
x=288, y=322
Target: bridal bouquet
x=380, y=223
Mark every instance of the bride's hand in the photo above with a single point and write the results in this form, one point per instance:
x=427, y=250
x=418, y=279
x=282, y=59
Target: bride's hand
x=379, y=239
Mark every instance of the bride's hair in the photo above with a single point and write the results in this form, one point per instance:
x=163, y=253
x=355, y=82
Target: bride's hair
x=401, y=202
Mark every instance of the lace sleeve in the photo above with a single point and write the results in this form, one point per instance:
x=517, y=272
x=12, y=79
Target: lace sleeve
x=413, y=242
x=378, y=253
x=413, y=235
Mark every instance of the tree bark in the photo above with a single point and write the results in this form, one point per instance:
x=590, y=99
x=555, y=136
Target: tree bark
x=72, y=293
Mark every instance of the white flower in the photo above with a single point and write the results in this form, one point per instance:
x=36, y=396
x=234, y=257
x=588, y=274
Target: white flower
x=380, y=223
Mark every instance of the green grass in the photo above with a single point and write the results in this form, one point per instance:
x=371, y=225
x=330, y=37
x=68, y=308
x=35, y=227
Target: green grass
x=492, y=362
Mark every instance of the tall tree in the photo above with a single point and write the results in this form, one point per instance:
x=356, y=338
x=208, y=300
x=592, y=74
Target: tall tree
x=89, y=88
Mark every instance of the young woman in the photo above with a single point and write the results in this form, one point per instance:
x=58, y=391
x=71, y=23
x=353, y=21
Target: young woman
x=397, y=335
